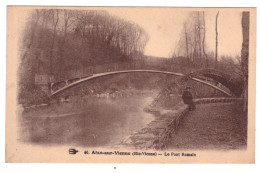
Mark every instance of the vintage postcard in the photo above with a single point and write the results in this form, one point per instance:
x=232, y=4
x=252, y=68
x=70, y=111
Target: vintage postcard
x=130, y=85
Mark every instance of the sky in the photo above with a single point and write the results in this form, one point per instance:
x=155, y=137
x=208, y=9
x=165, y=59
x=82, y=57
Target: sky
x=164, y=26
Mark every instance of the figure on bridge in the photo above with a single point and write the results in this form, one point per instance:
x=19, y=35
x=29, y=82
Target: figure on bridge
x=188, y=99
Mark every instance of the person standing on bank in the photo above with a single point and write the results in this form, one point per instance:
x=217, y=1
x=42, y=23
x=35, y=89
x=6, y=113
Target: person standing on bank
x=188, y=99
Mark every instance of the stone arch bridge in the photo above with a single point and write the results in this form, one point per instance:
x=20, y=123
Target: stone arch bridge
x=234, y=86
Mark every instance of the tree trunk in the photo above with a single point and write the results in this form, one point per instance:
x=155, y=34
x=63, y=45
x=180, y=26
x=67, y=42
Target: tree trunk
x=216, y=51
x=245, y=54
x=33, y=30
x=203, y=41
x=187, y=45
x=195, y=47
x=55, y=24
x=199, y=38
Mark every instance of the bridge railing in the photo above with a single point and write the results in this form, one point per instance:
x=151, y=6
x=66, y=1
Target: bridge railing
x=108, y=68
x=74, y=76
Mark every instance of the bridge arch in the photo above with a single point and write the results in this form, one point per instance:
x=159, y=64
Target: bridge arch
x=94, y=76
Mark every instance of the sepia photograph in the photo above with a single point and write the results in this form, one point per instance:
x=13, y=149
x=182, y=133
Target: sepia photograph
x=130, y=85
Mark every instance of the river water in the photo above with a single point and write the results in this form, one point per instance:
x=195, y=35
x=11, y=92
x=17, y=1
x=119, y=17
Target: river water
x=101, y=122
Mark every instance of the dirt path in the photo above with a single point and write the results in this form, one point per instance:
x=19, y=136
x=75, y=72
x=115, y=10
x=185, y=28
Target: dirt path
x=212, y=126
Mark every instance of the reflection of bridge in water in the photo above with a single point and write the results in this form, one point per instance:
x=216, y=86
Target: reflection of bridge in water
x=235, y=86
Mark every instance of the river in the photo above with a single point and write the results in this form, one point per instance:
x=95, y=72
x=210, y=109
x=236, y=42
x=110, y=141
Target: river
x=99, y=122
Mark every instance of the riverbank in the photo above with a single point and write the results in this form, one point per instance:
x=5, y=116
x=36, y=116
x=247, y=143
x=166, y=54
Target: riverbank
x=215, y=126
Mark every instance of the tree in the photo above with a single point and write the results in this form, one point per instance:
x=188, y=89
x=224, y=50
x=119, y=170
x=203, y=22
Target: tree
x=55, y=20
x=199, y=36
x=203, y=42
x=245, y=54
x=67, y=17
x=216, y=51
x=35, y=19
x=187, y=44
x=191, y=44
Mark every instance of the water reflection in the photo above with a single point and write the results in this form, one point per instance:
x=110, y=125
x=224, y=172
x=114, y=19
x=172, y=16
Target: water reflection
x=103, y=122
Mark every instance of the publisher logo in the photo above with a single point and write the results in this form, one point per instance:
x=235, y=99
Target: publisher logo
x=73, y=151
